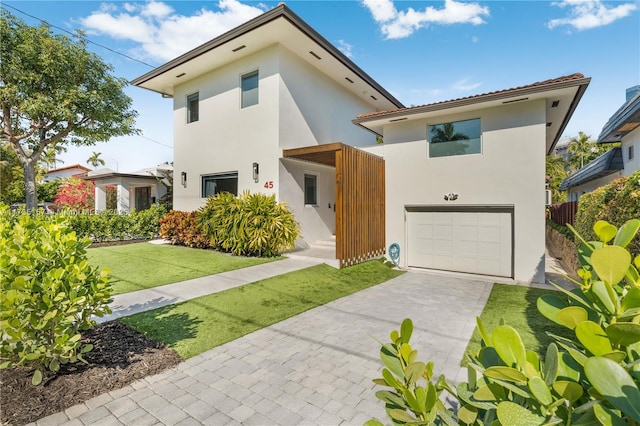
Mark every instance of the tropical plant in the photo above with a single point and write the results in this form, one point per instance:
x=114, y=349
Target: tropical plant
x=593, y=378
x=557, y=170
x=49, y=293
x=76, y=194
x=248, y=225
x=95, y=159
x=55, y=92
x=182, y=228
x=582, y=150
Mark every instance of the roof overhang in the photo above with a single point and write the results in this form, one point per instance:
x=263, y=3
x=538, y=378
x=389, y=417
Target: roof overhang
x=608, y=163
x=322, y=154
x=624, y=121
x=561, y=95
x=276, y=26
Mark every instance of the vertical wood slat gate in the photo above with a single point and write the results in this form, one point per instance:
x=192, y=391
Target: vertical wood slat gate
x=360, y=199
x=360, y=206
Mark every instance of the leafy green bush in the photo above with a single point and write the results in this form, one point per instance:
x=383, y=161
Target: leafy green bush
x=49, y=293
x=182, y=228
x=109, y=225
x=593, y=378
x=616, y=203
x=248, y=225
x=561, y=229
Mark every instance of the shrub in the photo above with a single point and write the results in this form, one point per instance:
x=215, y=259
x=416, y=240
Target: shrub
x=182, y=228
x=49, y=293
x=616, y=203
x=593, y=378
x=248, y=225
x=76, y=194
x=109, y=225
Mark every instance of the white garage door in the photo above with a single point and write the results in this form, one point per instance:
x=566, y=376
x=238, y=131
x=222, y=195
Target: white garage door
x=475, y=242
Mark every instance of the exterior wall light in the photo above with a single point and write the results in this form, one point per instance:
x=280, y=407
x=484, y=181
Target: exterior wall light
x=450, y=196
x=183, y=179
x=256, y=172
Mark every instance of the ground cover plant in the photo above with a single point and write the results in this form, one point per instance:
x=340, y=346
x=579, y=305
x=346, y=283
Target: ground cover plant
x=140, y=266
x=591, y=378
x=200, y=324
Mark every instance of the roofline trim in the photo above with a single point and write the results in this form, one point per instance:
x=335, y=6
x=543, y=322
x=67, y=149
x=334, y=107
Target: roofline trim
x=456, y=103
x=279, y=11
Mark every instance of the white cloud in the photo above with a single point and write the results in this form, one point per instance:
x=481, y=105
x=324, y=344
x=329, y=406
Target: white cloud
x=345, y=48
x=400, y=24
x=161, y=33
x=587, y=14
x=465, y=85
x=475, y=39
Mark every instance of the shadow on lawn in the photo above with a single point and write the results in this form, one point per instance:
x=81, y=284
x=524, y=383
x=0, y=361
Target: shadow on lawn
x=176, y=326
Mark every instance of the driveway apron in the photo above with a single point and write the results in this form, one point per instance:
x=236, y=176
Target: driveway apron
x=313, y=369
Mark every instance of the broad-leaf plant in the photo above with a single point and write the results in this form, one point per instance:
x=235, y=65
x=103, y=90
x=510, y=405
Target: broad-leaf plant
x=590, y=379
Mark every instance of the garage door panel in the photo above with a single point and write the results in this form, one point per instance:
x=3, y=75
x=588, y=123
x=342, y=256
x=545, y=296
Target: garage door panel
x=476, y=242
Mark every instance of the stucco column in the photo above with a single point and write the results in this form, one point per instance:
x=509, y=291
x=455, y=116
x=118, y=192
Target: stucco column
x=123, y=198
x=100, y=195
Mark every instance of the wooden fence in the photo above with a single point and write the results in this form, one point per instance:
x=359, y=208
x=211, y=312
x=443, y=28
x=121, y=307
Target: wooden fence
x=563, y=213
x=360, y=202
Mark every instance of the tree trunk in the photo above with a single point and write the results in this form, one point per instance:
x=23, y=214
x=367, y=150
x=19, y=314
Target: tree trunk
x=30, y=184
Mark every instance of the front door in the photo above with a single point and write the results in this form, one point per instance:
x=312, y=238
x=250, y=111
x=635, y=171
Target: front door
x=143, y=198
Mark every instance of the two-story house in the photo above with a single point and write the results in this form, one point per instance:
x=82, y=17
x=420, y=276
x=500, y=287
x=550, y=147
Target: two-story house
x=271, y=106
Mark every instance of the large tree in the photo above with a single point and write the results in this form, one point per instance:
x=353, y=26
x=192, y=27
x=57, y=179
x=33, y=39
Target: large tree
x=53, y=91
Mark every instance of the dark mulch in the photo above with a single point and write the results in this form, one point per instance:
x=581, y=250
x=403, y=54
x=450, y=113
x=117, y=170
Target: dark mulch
x=96, y=244
x=120, y=356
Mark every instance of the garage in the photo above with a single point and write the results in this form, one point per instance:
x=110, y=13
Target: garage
x=473, y=240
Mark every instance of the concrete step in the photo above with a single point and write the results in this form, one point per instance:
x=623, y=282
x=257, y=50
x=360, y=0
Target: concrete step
x=329, y=242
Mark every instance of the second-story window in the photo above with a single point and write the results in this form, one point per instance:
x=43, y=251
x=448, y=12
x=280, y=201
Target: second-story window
x=192, y=107
x=249, y=89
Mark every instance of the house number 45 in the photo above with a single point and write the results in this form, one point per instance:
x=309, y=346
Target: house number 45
x=268, y=184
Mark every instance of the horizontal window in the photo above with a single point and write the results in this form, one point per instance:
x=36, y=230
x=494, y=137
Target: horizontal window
x=455, y=138
x=221, y=182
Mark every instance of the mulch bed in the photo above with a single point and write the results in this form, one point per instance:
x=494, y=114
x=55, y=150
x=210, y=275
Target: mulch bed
x=120, y=356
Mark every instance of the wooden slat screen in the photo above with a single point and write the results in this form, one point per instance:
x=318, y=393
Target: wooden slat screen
x=360, y=206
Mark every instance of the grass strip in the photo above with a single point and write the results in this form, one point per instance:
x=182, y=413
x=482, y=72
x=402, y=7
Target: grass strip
x=197, y=325
x=517, y=306
x=143, y=265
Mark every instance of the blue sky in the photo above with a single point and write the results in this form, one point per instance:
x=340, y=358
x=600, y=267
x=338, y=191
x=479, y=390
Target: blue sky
x=420, y=51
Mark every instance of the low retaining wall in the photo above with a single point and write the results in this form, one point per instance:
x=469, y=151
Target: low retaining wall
x=564, y=250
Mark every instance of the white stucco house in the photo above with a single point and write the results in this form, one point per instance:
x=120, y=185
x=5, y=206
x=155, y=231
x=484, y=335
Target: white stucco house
x=271, y=106
x=623, y=127
x=65, y=172
x=136, y=190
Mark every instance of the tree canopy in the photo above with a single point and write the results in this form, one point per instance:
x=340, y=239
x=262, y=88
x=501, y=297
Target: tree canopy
x=54, y=92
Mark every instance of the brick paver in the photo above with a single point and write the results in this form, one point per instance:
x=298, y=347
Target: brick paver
x=313, y=369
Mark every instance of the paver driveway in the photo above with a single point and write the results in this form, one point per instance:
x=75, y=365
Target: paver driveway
x=312, y=369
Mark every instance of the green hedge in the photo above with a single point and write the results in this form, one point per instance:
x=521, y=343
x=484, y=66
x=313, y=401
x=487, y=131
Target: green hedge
x=616, y=203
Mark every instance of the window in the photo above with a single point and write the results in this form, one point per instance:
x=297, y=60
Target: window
x=455, y=138
x=250, y=89
x=311, y=189
x=221, y=182
x=630, y=153
x=192, y=108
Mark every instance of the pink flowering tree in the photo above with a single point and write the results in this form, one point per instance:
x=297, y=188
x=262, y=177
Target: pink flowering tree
x=76, y=194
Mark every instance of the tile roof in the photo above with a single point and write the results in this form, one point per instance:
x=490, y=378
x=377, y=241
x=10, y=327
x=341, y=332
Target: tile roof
x=563, y=79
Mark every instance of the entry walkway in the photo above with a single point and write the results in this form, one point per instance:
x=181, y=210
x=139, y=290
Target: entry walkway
x=157, y=297
x=313, y=369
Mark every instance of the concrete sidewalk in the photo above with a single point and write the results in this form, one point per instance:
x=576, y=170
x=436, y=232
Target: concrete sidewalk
x=312, y=369
x=145, y=300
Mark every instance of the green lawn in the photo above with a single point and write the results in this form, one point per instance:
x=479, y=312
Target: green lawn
x=517, y=305
x=143, y=265
x=200, y=324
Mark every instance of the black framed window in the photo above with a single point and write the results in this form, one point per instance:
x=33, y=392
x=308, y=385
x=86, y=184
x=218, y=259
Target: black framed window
x=219, y=182
x=193, y=106
x=311, y=189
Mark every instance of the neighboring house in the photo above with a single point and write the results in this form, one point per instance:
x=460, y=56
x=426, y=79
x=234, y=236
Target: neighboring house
x=137, y=190
x=65, y=172
x=562, y=149
x=270, y=107
x=623, y=127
